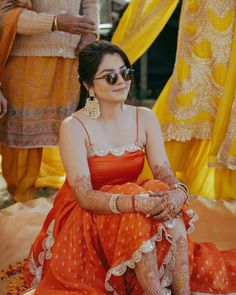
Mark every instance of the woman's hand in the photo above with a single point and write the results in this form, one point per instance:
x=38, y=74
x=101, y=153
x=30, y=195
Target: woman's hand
x=78, y=25
x=171, y=203
x=148, y=205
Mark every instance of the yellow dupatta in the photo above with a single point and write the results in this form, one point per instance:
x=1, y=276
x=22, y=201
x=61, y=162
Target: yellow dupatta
x=141, y=23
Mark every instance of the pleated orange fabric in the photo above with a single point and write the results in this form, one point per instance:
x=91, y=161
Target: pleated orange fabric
x=79, y=252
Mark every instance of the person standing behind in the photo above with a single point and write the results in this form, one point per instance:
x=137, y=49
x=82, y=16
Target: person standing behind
x=39, y=82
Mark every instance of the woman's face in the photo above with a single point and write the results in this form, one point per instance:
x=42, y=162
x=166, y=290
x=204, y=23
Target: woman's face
x=111, y=64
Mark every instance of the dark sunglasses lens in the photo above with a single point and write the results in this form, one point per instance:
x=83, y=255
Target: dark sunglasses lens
x=111, y=78
x=127, y=74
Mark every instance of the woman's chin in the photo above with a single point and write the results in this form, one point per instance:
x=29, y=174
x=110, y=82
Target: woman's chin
x=120, y=98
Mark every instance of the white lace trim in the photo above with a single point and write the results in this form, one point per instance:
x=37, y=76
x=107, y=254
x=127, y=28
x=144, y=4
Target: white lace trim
x=47, y=243
x=146, y=247
x=194, y=217
x=115, y=151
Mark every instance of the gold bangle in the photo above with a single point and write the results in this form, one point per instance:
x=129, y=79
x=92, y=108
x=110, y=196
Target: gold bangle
x=112, y=203
x=181, y=186
x=54, y=24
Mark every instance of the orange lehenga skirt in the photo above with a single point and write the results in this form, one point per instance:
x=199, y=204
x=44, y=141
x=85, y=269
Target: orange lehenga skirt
x=78, y=252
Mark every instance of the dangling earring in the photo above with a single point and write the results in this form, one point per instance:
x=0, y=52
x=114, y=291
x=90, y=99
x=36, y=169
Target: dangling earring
x=91, y=108
x=123, y=106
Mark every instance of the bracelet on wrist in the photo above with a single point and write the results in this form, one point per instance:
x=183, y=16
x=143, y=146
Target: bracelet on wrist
x=133, y=203
x=181, y=186
x=112, y=204
x=54, y=24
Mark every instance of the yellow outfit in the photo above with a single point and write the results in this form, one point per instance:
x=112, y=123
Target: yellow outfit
x=197, y=108
x=141, y=23
x=38, y=127
x=38, y=73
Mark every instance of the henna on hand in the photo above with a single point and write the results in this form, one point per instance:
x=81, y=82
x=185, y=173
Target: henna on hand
x=172, y=203
x=98, y=201
x=89, y=199
x=163, y=172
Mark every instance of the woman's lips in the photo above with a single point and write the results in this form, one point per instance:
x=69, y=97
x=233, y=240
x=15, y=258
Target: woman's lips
x=119, y=90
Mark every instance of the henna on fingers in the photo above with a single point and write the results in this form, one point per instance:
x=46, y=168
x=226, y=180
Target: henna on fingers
x=172, y=203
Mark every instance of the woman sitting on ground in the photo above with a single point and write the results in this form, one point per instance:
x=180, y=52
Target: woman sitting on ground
x=109, y=231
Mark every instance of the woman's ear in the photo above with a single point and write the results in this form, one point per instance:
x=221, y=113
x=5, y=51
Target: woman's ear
x=86, y=85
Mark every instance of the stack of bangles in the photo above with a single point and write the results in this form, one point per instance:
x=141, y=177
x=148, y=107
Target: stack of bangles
x=113, y=198
x=113, y=205
x=181, y=186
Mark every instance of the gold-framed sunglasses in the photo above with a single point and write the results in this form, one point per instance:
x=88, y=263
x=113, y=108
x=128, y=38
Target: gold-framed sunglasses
x=112, y=77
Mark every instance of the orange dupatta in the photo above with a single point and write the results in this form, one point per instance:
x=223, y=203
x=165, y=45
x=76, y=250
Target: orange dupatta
x=9, y=13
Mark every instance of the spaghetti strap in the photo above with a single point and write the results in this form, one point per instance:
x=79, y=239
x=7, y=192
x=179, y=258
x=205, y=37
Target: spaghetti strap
x=137, y=134
x=84, y=128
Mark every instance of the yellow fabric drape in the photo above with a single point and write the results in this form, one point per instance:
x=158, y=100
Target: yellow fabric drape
x=51, y=172
x=197, y=106
x=141, y=23
x=223, y=149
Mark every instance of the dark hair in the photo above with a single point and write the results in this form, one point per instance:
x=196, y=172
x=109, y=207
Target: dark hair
x=90, y=57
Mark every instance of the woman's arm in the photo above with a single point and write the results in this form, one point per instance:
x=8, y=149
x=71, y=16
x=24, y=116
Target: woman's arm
x=74, y=157
x=159, y=164
x=155, y=149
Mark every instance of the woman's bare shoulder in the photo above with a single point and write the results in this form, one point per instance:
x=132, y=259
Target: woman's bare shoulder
x=73, y=122
x=146, y=114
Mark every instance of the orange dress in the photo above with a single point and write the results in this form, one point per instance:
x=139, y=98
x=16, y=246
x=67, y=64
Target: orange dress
x=79, y=252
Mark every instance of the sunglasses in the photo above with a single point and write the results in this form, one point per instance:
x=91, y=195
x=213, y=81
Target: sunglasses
x=111, y=78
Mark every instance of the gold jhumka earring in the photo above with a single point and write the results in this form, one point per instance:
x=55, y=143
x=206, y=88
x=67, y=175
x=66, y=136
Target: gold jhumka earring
x=91, y=108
